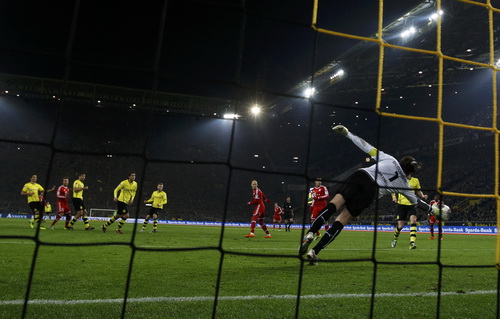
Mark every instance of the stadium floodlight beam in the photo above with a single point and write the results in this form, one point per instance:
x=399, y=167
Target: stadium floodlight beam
x=309, y=92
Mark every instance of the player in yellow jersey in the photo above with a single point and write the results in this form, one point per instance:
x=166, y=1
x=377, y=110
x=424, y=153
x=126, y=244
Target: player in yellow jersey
x=78, y=188
x=405, y=208
x=34, y=192
x=158, y=199
x=126, y=190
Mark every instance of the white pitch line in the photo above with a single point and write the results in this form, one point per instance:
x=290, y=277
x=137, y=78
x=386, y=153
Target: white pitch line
x=231, y=298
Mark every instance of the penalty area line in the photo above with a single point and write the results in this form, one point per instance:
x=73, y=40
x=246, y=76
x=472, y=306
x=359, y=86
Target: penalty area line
x=231, y=298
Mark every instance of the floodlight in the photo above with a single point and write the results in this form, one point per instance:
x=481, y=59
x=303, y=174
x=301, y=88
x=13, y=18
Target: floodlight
x=231, y=116
x=309, y=92
x=255, y=110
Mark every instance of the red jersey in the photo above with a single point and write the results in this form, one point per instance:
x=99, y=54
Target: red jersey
x=62, y=194
x=437, y=202
x=278, y=211
x=258, y=200
x=319, y=194
x=432, y=218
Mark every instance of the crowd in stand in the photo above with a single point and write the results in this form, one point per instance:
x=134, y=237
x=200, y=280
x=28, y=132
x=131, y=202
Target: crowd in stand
x=197, y=190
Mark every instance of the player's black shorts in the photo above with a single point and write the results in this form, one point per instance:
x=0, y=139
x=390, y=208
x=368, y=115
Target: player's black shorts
x=359, y=191
x=403, y=211
x=122, y=208
x=154, y=210
x=78, y=204
x=35, y=207
x=287, y=215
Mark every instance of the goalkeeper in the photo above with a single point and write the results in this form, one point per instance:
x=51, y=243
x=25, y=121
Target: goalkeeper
x=387, y=176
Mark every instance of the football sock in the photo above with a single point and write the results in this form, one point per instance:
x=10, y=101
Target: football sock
x=120, y=224
x=397, y=231
x=252, y=226
x=329, y=236
x=73, y=221
x=264, y=228
x=109, y=222
x=146, y=221
x=432, y=230
x=86, y=222
x=323, y=217
x=55, y=220
x=68, y=219
x=413, y=232
x=155, y=224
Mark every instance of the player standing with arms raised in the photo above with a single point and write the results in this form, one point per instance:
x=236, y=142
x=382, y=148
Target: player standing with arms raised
x=319, y=195
x=158, y=198
x=62, y=204
x=259, y=211
x=127, y=190
x=385, y=177
x=78, y=188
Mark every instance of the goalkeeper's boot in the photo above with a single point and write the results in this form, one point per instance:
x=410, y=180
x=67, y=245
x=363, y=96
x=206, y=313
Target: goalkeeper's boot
x=308, y=239
x=394, y=243
x=413, y=245
x=251, y=235
x=313, y=259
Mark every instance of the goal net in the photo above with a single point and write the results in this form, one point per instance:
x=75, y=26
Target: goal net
x=207, y=96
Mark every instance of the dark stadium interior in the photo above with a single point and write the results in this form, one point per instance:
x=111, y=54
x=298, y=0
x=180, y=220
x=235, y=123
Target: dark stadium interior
x=85, y=90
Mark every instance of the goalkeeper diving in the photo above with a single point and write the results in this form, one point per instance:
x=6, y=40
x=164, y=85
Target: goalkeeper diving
x=358, y=191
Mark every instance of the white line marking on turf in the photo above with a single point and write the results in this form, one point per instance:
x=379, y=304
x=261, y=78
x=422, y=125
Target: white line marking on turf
x=230, y=298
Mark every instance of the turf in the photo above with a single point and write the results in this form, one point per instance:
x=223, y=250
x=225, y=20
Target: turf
x=175, y=273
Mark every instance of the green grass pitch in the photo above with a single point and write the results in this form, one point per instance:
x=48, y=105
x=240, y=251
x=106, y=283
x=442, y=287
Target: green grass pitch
x=175, y=271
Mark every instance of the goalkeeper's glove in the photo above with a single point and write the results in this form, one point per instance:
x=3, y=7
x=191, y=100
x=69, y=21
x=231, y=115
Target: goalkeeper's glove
x=341, y=129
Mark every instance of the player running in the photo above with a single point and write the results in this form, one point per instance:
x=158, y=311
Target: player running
x=158, y=198
x=78, y=188
x=127, y=190
x=278, y=212
x=319, y=195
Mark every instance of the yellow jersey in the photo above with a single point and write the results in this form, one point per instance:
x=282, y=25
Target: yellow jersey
x=127, y=191
x=48, y=208
x=78, y=184
x=34, y=188
x=414, y=184
x=159, y=198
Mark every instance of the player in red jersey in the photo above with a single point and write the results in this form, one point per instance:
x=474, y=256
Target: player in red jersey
x=259, y=211
x=278, y=211
x=62, y=205
x=319, y=196
x=433, y=219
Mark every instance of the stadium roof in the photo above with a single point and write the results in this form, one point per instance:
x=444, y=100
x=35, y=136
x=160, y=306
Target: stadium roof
x=465, y=35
